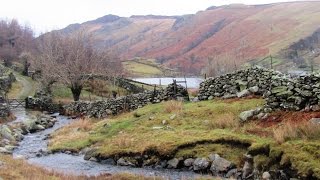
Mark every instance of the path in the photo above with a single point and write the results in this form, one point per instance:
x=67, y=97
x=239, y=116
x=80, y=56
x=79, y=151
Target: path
x=28, y=87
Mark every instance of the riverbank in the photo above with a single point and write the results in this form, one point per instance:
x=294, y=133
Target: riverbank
x=171, y=133
x=19, y=169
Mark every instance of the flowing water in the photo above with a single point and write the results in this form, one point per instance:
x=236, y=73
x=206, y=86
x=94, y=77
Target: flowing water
x=72, y=164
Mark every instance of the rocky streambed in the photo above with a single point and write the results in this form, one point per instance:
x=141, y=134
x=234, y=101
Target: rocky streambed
x=29, y=134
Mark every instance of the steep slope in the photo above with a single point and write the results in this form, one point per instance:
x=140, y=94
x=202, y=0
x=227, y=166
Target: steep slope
x=241, y=32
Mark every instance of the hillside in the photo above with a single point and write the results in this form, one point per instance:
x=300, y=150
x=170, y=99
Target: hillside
x=240, y=32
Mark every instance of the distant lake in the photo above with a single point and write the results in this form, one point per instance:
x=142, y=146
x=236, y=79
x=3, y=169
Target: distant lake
x=191, y=82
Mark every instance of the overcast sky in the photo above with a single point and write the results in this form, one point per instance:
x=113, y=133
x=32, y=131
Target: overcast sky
x=45, y=15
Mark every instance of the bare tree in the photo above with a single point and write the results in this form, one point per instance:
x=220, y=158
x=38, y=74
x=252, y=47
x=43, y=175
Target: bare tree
x=14, y=39
x=70, y=60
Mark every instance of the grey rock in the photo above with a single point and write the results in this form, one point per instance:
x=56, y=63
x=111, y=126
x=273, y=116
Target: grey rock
x=124, y=162
x=200, y=164
x=109, y=161
x=93, y=159
x=279, y=89
x=306, y=93
x=315, y=121
x=188, y=162
x=210, y=97
x=261, y=115
x=229, y=96
x=4, y=151
x=173, y=163
x=246, y=115
x=6, y=133
x=232, y=173
x=220, y=165
x=248, y=167
x=164, y=122
x=254, y=89
x=266, y=176
x=212, y=157
x=243, y=93
x=173, y=117
x=196, y=99
x=157, y=127
x=39, y=128
x=89, y=154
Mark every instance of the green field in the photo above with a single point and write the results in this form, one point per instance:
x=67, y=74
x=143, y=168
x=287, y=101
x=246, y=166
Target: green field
x=146, y=68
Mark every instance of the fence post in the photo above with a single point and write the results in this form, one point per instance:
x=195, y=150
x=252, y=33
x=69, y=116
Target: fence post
x=271, y=62
x=175, y=88
x=185, y=80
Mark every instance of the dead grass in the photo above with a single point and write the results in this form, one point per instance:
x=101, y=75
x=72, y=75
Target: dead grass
x=123, y=141
x=83, y=124
x=290, y=131
x=18, y=169
x=223, y=121
x=73, y=135
x=173, y=106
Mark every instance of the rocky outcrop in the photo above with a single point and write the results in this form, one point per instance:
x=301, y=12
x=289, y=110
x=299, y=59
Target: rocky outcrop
x=100, y=109
x=10, y=135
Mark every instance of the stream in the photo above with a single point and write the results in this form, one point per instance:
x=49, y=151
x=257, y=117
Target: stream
x=30, y=146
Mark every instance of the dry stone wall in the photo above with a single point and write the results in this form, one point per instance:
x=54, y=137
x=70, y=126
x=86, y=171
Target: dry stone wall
x=6, y=80
x=279, y=90
x=100, y=109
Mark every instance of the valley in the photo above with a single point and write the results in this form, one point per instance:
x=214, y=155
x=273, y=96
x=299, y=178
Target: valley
x=227, y=92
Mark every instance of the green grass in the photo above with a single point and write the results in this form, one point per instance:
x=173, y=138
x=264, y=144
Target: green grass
x=199, y=129
x=190, y=125
x=146, y=68
x=62, y=93
x=141, y=69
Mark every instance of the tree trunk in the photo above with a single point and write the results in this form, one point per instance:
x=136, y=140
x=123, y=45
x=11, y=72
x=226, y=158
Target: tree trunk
x=76, y=91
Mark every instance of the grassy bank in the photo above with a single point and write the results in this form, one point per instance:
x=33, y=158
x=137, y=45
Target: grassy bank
x=175, y=129
x=17, y=169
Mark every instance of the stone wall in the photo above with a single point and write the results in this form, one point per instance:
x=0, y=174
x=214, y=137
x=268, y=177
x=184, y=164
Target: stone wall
x=100, y=109
x=279, y=90
x=6, y=80
x=43, y=102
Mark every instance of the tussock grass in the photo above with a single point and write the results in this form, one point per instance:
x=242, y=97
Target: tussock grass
x=223, y=121
x=290, y=131
x=173, y=106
